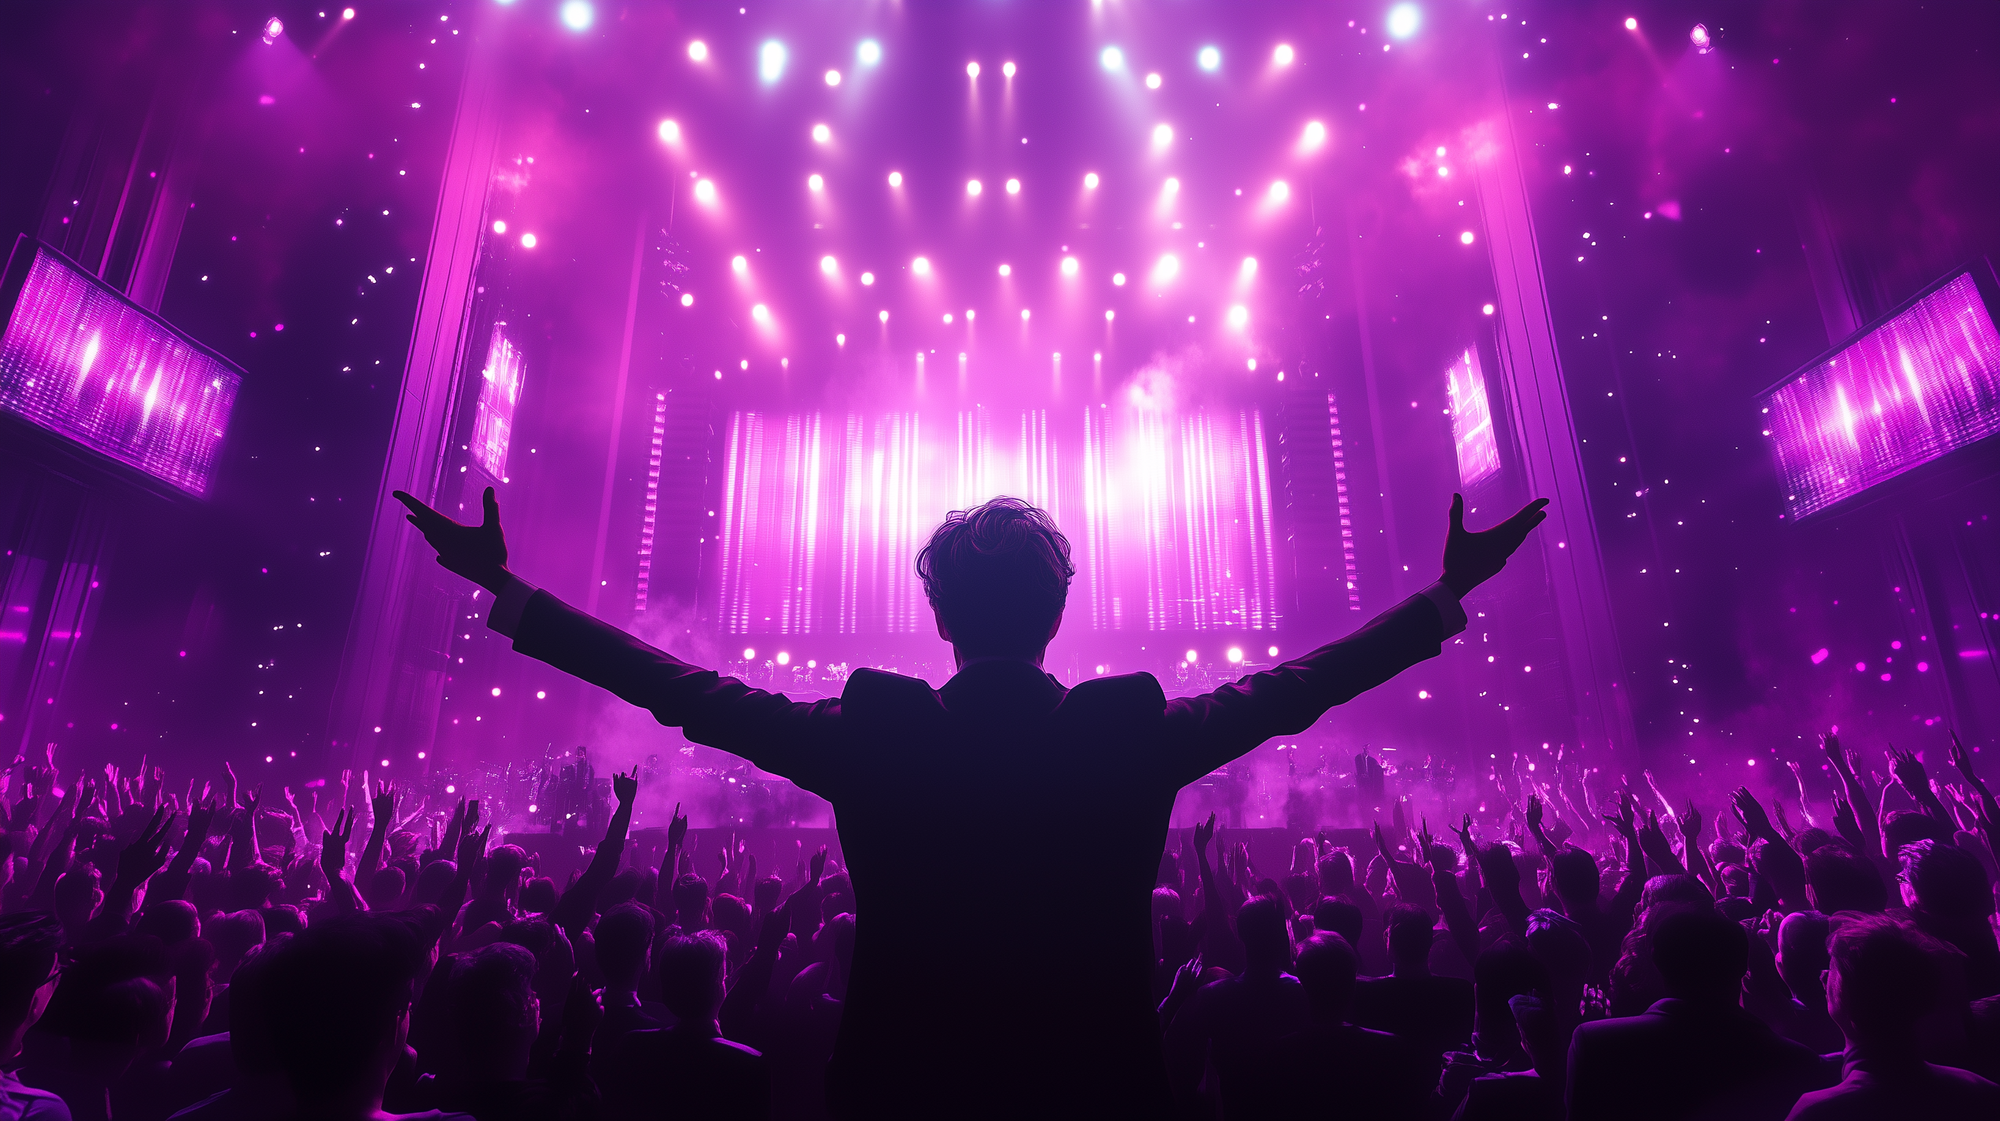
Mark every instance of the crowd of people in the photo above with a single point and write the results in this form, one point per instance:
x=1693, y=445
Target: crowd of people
x=208, y=955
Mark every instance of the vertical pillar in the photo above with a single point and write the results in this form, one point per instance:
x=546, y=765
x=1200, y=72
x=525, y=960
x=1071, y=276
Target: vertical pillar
x=1545, y=433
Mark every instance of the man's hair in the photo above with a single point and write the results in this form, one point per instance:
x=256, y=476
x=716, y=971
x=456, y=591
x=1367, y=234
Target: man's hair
x=1907, y=827
x=1950, y=883
x=997, y=575
x=28, y=944
x=690, y=971
x=622, y=937
x=1326, y=969
x=1842, y=881
x=332, y=998
x=1338, y=916
x=1701, y=953
x=1260, y=924
x=1409, y=931
x=1574, y=874
x=492, y=996
x=1891, y=973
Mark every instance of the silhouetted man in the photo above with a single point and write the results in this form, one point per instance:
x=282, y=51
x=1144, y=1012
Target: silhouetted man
x=985, y=1022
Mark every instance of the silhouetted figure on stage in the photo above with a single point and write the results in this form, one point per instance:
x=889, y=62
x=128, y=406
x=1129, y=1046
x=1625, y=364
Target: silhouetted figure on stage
x=985, y=1021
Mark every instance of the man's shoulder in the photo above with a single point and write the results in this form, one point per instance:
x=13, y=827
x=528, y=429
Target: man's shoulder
x=874, y=690
x=1122, y=695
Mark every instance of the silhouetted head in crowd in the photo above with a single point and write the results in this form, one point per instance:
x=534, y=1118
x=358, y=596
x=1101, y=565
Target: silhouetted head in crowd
x=997, y=577
x=1802, y=953
x=282, y=919
x=1326, y=970
x=1558, y=943
x=28, y=974
x=384, y=889
x=1701, y=955
x=1735, y=880
x=1838, y=880
x=78, y=892
x=172, y=921
x=335, y=1003
x=690, y=968
x=503, y=870
x=493, y=1012
x=1338, y=916
x=1883, y=978
x=1503, y=971
x=1336, y=874
x=1260, y=925
x=1945, y=882
x=1722, y=852
x=1406, y=931
x=251, y=887
x=1574, y=876
x=539, y=896
x=433, y=880
x=765, y=898
x=1907, y=827
x=624, y=940
x=1811, y=838
x=621, y=888
x=193, y=961
x=691, y=902
x=1785, y=875
x=117, y=999
x=1674, y=888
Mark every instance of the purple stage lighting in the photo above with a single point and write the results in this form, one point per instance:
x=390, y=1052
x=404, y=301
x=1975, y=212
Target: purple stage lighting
x=1921, y=383
x=1471, y=420
x=493, y=415
x=80, y=360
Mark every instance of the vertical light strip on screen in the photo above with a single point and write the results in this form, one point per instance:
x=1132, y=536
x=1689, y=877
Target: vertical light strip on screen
x=1471, y=420
x=1346, y=511
x=651, y=521
x=493, y=413
x=81, y=361
x=1105, y=608
x=1924, y=382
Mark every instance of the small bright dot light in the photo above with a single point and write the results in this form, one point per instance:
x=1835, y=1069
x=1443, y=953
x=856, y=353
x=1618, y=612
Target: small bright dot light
x=815, y=182
x=1465, y=238
x=1315, y=135
x=1153, y=81
x=698, y=51
x=822, y=134
x=1209, y=58
x=771, y=61
x=1440, y=151
x=840, y=340
x=528, y=241
x=867, y=278
x=1487, y=310
x=496, y=690
x=1404, y=19
x=1006, y=270
x=1090, y=181
x=1163, y=135
x=1069, y=266
x=1235, y=653
x=895, y=179
x=704, y=192
x=1249, y=268
x=972, y=187
x=1273, y=652
x=972, y=70
x=883, y=316
x=1007, y=69
x=947, y=319
x=833, y=77
x=687, y=299
x=1280, y=191
x=970, y=315
x=1190, y=655
x=1109, y=315
x=541, y=694
x=761, y=314
x=1172, y=185
x=578, y=15
x=273, y=28
x=749, y=652
x=828, y=265
x=670, y=132
x=1111, y=58
x=784, y=659
x=740, y=264
x=921, y=266
x=347, y=13
x=1631, y=24
x=1024, y=315
x=1239, y=316
x=1013, y=186
x=869, y=52
x=1118, y=279
x=385, y=762
x=1168, y=267
x=1703, y=42
x=499, y=226
x=1284, y=55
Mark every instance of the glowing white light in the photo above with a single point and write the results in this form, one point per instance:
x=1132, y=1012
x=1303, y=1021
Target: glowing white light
x=972, y=187
x=947, y=319
x=970, y=315
x=869, y=52
x=1444, y=173
x=1013, y=186
x=740, y=264
x=496, y=690
x=578, y=15
x=704, y=192
x=883, y=316
x=1236, y=653
x=1111, y=58
x=1172, y=185
x=1248, y=268
x=1007, y=69
x=1209, y=58
x=1163, y=135
x=895, y=179
x=921, y=266
x=670, y=132
x=1487, y=310
x=822, y=134
x=1118, y=279
x=528, y=241
x=698, y=51
x=1109, y=315
x=838, y=340
x=1006, y=270
x=347, y=13
x=972, y=70
x=1404, y=19
x=828, y=265
x=1284, y=55
x=1273, y=652
x=771, y=61
x=784, y=659
x=1280, y=191
x=868, y=278
x=499, y=226
x=1024, y=315
x=273, y=28
x=1090, y=181
x=1069, y=266
x=1440, y=151
x=1153, y=81
x=1315, y=135
x=749, y=653
x=687, y=299
x=761, y=314
x=833, y=77
x=1190, y=657
x=1702, y=40
x=1239, y=317
x=1168, y=267
x=815, y=183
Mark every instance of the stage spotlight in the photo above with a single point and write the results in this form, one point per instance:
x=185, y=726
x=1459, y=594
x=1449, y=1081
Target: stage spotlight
x=527, y=241
x=1631, y=24
x=784, y=659
x=972, y=187
x=833, y=77
x=1163, y=135
x=895, y=179
x=822, y=134
x=1109, y=315
x=1172, y=186
x=1111, y=58
x=687, y=299
x=1169, y=266
x=828, y=265
x=1404, y=19
x=1280, y=191
x=1209, y=58
x=868, y=53
x=1702, y=40
x=670, y=132
x=1315, y=135
x=1070, y=266
x=1190, y=657
x=740, y=265
x=1153, y=81
x=1118, y=279
x=578, y=15
x=1249, y=268
x=970, y=315
x=1007, y=69
x=771, y=61
x=1006, y=270
x=1236, y=653
x=761, y=314
x=347, y=13
x=838, y=340
x=1013, y=186
x=698, y=51
x=1090, y=181
x=921, y=266
x=1024, y=315
x=499, y=226
x=883, y=316
x=947, y=319
x=273, y=28
x=1465, y=238
x=1487, y=310
x=972, y=70
x=1284, y=55
x=867, y=278
x=704, y=192
x=815, y=182
x=1239, y=317
x=748, y=653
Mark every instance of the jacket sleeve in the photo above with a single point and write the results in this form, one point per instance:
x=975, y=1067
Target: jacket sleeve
x=1207, y=731
x=800, y=741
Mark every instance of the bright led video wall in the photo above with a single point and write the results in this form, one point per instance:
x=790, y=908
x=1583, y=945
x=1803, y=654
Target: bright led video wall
x=1924, y=382
x=493, y=413
x=1168, y=516
x=1472, y=420
x=80, y=360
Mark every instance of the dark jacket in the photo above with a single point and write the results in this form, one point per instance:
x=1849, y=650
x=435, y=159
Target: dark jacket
x=1683, y=1059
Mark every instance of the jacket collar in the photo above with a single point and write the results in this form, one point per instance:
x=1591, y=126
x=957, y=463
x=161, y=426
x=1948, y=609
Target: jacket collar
x=1001, y=685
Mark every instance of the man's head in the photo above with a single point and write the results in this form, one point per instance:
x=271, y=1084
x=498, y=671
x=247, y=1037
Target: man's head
x=1838, y=880
x=1574, y=875
x=690, y=969
x=1338, y=916
x=1701, y=955
x=494, y=1013
x=1946, y=883
x=997, y=576
x=1260, y=923
x=336, y=1004
x=1407, y=933
x=624, y=936
x=1802, y=951
x=1883, y=978
x=1326, y=970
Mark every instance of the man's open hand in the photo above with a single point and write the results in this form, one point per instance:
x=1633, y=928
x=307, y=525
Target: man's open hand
x=1471, y=559
x=476, y=552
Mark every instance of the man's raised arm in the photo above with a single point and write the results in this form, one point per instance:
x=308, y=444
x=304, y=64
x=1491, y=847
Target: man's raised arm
x=1207, y=731
x=779, y=735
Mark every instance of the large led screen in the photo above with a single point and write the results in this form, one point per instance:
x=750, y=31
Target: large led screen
x=1168, y=515
x=79, y=360
x=493, y=413
x=1925, y=381
x=1471, y=420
